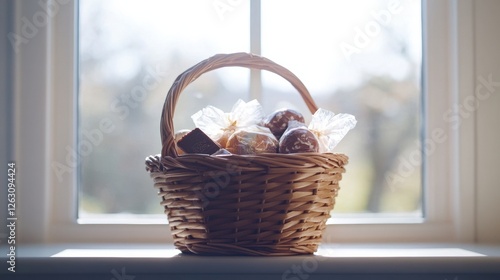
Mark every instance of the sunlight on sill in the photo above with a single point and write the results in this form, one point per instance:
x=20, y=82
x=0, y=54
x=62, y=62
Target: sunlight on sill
x=396, y=252
x=117, y=253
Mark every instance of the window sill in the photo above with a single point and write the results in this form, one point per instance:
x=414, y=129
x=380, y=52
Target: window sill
x=348, y=261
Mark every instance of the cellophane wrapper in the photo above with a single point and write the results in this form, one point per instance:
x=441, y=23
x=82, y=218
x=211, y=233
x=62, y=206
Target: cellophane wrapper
x=330, y=128
x=219, y=125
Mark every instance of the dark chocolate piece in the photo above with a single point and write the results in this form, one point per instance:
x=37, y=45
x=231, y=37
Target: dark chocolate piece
x=178, y=136
x=197, y=142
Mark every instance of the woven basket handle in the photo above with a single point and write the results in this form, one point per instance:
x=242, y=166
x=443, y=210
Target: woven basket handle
x=218, y=61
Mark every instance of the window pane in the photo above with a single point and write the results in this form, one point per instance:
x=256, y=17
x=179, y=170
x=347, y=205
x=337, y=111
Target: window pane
x=358, y=57
x=361, y=57
x=130, y=53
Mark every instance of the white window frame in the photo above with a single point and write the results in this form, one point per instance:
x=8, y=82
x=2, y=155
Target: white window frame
x=45, y=84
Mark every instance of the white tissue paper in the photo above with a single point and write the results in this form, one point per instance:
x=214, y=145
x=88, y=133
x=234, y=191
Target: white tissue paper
x=330, y=128
x=219, y=125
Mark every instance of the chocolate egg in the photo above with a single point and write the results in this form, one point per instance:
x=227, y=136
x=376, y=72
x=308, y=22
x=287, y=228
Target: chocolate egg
x=245, y=142
x=298, y=140
x=277, y=122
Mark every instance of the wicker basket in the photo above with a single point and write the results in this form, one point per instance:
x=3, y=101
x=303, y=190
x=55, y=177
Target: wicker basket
x=266, y=204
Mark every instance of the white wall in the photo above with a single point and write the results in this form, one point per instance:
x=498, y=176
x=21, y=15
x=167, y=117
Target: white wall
x=6, y=150
x=487, y=62
x=484, y=131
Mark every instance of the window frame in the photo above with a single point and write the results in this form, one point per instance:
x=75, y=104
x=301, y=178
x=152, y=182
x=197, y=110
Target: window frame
x=49, y=216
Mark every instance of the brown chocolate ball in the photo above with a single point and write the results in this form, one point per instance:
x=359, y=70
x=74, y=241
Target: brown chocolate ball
x=298, y=140
x=249, y=143
x=277, y=122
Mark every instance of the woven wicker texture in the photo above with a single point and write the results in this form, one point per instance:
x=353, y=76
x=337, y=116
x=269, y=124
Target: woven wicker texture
x=266, y=204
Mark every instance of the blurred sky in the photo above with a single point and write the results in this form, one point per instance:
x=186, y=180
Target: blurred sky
x=293, y=34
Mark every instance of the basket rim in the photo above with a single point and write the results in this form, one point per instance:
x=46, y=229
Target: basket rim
x=159, y=163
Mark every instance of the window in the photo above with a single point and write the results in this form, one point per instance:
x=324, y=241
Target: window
x=45, y=135
x=359, y=57
x=156, y=44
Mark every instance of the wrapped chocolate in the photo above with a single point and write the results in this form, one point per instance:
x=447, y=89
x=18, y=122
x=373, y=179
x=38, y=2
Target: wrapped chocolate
x=277, y=122
x=252, y=140
x=298, y=139
x=330, y=128
x=219, y=125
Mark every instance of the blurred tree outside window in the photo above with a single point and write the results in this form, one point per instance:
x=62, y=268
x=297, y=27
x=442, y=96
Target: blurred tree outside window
x=361, y=57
